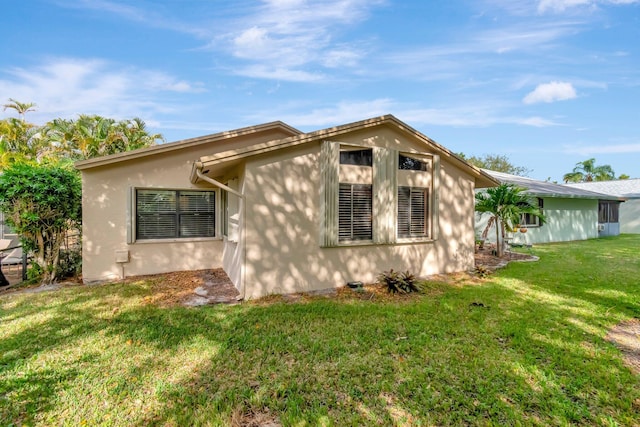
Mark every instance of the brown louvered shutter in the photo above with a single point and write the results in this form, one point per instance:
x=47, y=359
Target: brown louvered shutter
x=355, y=220
x=412, y=212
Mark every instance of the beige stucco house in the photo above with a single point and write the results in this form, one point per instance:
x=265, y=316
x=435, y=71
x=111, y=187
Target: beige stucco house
x=280, y=210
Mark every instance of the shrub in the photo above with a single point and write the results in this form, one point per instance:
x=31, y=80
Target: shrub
x=70, y=263
x=397, y=282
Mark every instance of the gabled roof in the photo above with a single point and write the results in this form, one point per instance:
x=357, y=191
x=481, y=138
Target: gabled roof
x=482, y=179
x=629, y=188
x=186, y=143
x=549, y=189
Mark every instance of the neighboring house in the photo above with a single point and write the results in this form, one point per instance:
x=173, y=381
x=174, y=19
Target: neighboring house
x=627, y=188
x=282, y=211
x=571, y=213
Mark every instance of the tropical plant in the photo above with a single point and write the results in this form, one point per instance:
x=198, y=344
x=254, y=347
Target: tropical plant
x=587, y=171
x=41, y=202
x=506, y=204
x=92, y=136
x=21, y=107
x=397, y=282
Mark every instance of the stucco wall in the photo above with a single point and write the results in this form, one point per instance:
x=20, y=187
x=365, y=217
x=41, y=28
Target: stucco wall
x=630, y=216
x=283, y=236
x=567, y=220
x=105, y=213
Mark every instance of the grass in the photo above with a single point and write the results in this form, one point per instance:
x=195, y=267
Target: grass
x=524, y=347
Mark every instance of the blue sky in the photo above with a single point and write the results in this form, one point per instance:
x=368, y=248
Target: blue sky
x=548, y=83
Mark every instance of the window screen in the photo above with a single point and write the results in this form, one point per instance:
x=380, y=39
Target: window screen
x=162, y=214
x=608, y=212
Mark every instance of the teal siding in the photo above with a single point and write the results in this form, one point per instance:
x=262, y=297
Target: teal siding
x=567, y=220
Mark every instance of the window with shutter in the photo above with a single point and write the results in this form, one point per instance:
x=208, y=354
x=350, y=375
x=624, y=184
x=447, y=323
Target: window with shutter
x=164, y=214
x=412, y=212
x=355, y=208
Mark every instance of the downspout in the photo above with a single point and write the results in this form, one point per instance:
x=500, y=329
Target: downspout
x=198, y=169
x=199, y=174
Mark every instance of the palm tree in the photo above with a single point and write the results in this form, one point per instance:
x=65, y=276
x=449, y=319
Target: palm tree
x=21, y=107
x=587, y=171
x=506, y=203
x=92, y=136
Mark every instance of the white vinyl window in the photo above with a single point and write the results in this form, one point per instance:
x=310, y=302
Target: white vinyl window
x=167, y=214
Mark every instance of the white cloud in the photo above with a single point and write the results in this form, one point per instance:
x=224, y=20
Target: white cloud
x=562, y=5
x=64, y=87
x=283, y=39
x=603, y=149
x=147, y=16
x=550, y=92
x=538, y=122
x=278, y=73
x=475, y=115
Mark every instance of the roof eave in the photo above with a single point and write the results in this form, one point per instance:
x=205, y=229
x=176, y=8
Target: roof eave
x=177, y=145
x=482, y=179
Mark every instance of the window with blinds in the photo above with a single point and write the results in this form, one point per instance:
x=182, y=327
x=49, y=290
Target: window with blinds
x=413, y=212
x=164, y=214
x=355, y=212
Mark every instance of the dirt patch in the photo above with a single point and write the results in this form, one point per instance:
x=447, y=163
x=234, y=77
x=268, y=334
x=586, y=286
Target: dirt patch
x=485, y=257
x=191, y=288
x=626, y=336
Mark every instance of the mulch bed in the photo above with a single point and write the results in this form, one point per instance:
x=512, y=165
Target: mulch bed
x=485, y=257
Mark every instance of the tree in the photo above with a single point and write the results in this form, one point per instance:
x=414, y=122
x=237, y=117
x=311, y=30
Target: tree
x=506, y=203
x=92, y=136
x=41, y=202
x=21, y=107
x=587, y=171
x=498, y=163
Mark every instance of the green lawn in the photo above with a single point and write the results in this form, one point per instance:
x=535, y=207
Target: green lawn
x=531, y=351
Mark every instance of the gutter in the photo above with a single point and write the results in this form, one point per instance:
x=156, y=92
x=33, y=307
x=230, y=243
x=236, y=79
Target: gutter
x=197, y=167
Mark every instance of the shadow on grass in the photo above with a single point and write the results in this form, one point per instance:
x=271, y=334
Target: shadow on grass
x=525, y=347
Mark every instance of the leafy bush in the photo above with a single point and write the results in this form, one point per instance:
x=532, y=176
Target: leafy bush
x=397, y=282
x=70, y=263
